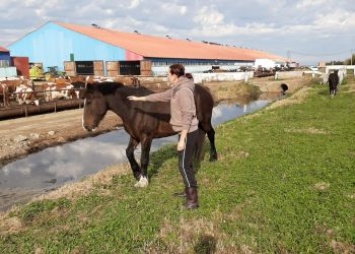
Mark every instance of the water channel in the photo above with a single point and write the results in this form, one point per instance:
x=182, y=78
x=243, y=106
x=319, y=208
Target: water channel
x=53, y=167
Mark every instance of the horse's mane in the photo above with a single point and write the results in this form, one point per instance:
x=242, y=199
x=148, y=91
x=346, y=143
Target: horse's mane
x=105, y=87
x=108, y=88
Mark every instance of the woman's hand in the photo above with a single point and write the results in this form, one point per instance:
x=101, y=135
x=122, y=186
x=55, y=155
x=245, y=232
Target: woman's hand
x=182, y=140
x=136, y=98
x=181, y=145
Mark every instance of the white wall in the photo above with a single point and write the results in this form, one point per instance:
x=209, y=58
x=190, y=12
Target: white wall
x=163, y=70
x=222, y=76
x=199, y=78
x=330, y=68
x=6, y=72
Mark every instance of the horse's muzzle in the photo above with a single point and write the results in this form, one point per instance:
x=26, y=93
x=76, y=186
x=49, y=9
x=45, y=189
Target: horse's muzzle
x=89, y=129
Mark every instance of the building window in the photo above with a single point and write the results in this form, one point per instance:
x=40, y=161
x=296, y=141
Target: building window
x=4, y=63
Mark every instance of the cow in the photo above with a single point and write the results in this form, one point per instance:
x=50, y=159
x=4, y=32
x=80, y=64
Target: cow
x=341, y=75
x=333, y=81
x=26, y=95
x=283, y=89
x=4, y=95
x=58, y=90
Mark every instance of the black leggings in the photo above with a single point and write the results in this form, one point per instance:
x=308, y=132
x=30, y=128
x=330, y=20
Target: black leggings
x=186, y=158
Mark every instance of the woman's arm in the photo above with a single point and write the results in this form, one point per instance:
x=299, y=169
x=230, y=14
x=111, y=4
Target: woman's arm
x=162, y=96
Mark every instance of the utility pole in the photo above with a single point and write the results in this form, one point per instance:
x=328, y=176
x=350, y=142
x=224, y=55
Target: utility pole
x=351, y=58
x=288, y=55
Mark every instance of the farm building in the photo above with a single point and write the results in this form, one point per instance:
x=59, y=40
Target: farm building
x=94, y=50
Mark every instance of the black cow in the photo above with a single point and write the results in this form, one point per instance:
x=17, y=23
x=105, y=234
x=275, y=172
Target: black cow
x=333, y=81
x=283, y=89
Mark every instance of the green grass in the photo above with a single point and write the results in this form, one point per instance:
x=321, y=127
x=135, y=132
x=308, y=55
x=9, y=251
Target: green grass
x=284, y=183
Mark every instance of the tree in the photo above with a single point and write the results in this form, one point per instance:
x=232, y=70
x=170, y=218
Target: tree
x=350, y=61
x=335, y=62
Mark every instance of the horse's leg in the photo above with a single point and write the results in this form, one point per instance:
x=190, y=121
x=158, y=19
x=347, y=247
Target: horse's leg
x=207, y=127
x=132, y=161
x=146, y=143
x=213, y=151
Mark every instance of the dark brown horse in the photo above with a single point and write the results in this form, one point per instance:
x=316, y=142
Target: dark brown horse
x=143, y=121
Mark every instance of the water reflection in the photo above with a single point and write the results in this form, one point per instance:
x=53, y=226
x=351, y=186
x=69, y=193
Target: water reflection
x=224, y=112
x=55, y=166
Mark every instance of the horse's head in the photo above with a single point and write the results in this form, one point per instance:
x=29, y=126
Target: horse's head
x=95, y=106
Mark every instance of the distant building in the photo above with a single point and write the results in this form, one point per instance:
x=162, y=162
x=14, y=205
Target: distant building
x=95, y=50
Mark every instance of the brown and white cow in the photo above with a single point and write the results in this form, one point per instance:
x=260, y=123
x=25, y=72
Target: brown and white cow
x=4, y=95
x=25, y=94
x=58, y=90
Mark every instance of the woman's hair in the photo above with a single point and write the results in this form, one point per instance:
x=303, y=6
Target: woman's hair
x=189, y=76
x=179, y=70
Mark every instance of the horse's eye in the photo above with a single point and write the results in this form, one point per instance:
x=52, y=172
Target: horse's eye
x=88, y=97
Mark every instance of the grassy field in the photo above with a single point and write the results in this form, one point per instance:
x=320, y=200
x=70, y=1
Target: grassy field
x=284, y=183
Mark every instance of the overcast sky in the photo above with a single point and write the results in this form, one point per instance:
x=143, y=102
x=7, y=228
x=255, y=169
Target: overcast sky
x=308, y=31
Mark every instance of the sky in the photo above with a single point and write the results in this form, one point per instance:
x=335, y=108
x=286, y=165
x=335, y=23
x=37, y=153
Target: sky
x=306, y=31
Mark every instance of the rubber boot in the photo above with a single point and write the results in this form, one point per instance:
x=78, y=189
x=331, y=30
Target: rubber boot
x=191, y=198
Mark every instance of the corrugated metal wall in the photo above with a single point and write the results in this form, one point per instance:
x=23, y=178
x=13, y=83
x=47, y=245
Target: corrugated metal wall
x=52, y=45
x=5, y=56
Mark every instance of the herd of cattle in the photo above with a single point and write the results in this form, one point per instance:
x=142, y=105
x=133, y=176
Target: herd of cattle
x=23, y=91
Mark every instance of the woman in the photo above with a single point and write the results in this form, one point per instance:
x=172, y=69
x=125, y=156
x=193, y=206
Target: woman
x=184, y=121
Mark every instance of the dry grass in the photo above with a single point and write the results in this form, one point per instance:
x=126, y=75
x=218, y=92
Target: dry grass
x=236, y=91
x=11, y=224
x=83, y=188
x=311, y=130
x=208, y=234
x=296, y=98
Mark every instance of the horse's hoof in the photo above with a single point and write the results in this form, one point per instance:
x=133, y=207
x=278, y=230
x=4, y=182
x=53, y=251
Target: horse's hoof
x=214, y=158
x=143, y=182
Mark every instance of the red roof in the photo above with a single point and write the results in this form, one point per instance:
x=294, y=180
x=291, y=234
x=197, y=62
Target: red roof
x=160, y=47
x=2, y=49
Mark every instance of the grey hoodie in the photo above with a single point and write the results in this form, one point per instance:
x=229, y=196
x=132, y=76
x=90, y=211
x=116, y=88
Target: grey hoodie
x=182, y=104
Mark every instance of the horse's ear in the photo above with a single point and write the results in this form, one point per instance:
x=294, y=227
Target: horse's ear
x=87, y=91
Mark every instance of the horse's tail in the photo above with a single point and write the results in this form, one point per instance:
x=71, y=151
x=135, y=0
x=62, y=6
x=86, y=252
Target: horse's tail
x=199, y=149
